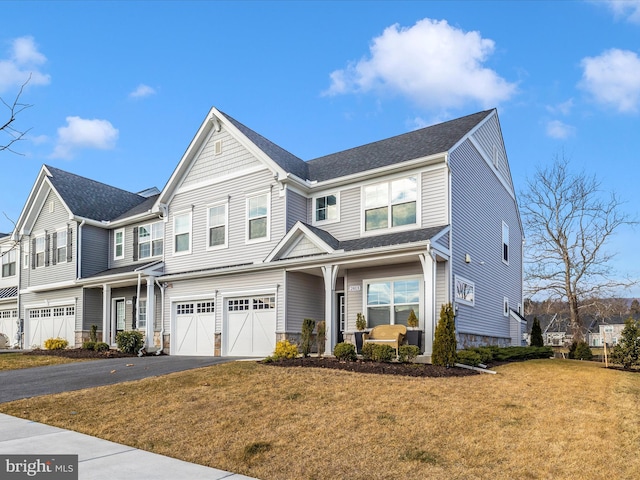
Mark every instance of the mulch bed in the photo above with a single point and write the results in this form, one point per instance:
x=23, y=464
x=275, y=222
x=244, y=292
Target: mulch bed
x=364, y=366
x=80, y=353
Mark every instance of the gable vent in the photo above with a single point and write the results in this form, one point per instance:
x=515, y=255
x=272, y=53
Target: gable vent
x=52, y=206
x=217, y=147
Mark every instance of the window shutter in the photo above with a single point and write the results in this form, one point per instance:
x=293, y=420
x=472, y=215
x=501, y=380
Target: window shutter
x=69, y=244
x=135, y=243
x=47, y=249
x=134, y=305
x=33, y=253
x=54, y=247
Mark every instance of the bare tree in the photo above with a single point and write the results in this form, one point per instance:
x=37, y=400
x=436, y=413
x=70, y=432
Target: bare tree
x=7, y=127
x=568, y=221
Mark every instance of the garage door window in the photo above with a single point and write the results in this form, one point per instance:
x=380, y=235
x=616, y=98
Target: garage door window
x=205, y=307
x=58, y=312
x=184, y=308
x=264, y=303
x=239, y=305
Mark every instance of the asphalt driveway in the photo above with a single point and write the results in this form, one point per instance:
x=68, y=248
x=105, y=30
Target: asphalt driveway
x=32, y=382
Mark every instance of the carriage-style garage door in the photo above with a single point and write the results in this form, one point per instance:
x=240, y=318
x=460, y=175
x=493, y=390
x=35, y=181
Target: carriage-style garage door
x=250, y=326
x=52, y=322
x=193, y=328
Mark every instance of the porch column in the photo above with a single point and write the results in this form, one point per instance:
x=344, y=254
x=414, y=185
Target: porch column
x=429, y=273
x=330, y=274
x=106, y=314
x=151, y=304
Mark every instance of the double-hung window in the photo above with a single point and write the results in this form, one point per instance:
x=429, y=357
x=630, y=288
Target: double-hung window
x=9, y=263
x=217, y=226
x=390, y=204
x=391, y=301
x=182, y=232
x=326, y=208
x=40, y=251
x=150, y=240
x=118, y=244
x=258, y=217
x=505, y=243
x=61, y=246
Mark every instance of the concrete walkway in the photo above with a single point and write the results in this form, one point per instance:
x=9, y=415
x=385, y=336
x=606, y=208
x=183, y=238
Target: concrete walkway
x=98, y=459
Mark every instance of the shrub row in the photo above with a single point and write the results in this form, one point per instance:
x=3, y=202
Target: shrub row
x=96, y=346
x=478, y=355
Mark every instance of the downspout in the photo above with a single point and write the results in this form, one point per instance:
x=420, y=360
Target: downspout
x=144, y=344
x=79, y=251
x=159, y=351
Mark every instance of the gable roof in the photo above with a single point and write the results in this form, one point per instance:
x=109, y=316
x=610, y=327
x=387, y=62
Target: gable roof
x=401, y=148
x=91, y=199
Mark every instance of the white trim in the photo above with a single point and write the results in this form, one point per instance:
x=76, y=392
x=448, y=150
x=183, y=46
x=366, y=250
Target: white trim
x=173, y=237
x=293, y=237
x=58, y=247
x=393, y=279
x=49, y=286
x=267, y=237
x=115, y=243
x=391, y=229
x=505, y=241
x=149, y=226
x=315, y=198
x=193, y=298
x=62, y=302
x=224, y=203
x=220, y=179
x=266, y=290
x=493, y=167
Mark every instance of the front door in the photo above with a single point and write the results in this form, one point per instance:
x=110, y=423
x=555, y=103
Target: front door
x=119, y=315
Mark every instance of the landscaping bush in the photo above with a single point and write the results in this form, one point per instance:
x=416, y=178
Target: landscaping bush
x=580, y=351
x=486, y=353
x=305, y=338
x=444, y=344
x=90, y=345
x=408, y=353
x=345, y=351
x=93, y=334
x=627, y=351
x=536, y=334
x=321, y=337
x=55, y=343
x=101, y=347
x=130, y=341
x=378, y=352
x=469, y=357
x=285, y=349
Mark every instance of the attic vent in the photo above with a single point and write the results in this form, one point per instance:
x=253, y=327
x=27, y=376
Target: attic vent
x=52, y=206
x=217, y=147
x=495, y=155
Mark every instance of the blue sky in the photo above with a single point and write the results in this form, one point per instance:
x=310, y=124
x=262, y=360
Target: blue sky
x=119, y=88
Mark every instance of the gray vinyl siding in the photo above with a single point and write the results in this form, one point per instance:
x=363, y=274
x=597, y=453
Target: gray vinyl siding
x=435, y=198
x=488, y=136
x=95, y=248
x=296, y=209
x=238, y=252
x=355, y=300
x=92, y=308
x=128, y=245
x=128, y=293
x=442, y=279
x=50, y=222
x=305, y=299
x=26, y=299
x=480, y=205
x=305, y=247
x=444, y=240
x=208, y=166
x=223, y=287
x=348, y=227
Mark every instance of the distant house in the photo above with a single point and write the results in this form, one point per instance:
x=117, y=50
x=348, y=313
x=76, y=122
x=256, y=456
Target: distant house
x=246, y=240
x=9, y=256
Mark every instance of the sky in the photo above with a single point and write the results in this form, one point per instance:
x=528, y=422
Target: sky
x=118, y=89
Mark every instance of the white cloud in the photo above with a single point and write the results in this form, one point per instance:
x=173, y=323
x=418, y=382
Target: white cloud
x=613, y=79
x=431, y=63
x=563, y=108
x=559, y=130
x=24, y=60
x=626, y=9
x=142, y=91
x=82, y=133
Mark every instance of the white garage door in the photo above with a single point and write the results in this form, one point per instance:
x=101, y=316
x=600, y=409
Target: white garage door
x=251, y=326
x=54, y=322
x=8, y=325
x=193, y=328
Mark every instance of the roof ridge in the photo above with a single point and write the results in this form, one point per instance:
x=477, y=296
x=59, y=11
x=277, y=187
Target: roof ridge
x=65, y=172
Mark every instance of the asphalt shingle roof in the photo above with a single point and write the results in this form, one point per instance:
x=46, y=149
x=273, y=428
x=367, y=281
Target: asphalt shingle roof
x=408, y=146
x=90, y=199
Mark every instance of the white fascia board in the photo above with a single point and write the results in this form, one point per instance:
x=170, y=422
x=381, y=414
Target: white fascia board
x=299, y=229
x=378, y=172
x=51, y=303
x=50, y=286
x=473, y=130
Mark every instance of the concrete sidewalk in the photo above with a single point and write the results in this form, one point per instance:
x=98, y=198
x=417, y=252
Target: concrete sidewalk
x=98, y=459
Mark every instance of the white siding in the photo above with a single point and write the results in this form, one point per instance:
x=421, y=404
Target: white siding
x=435, y=198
